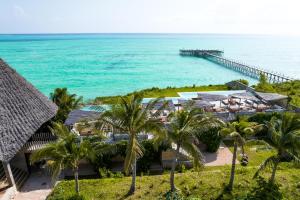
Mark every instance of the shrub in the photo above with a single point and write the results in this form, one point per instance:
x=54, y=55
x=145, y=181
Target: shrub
x=77, y=197
x=176, y=195
x=244, y=81
x=151, y=154
x=106, y=173
x=264, y=190
x=212, y=138
x=261, y=118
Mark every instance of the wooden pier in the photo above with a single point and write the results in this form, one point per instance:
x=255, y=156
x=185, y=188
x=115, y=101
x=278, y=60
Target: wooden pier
x=216, y=56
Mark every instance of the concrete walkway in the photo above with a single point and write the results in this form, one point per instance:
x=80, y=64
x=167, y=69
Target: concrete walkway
x=37, y=187
x=222, y=157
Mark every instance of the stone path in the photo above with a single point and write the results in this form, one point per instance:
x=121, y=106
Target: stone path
x=222, y=157
x=37, y=187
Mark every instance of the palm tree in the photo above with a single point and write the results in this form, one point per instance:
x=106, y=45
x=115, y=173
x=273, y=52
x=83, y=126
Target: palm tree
x=129, y=116
x=66, y=103
x=238, y=130
x=64, y=153
x=284, y=136
x=181, y=130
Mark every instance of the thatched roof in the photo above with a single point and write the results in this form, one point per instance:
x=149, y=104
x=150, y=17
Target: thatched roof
x=23, y=109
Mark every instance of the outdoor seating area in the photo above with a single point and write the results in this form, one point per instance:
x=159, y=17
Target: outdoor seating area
x=227, y=105
x=224, y=104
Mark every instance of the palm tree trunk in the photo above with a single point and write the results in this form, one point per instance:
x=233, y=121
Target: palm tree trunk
x=272, y=179
x=230, y=185
x=76, y=180
x=172, y=184
x=133, y=180
x=243, y=150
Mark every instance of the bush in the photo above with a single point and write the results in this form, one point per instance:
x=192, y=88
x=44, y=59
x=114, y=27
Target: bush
x=176, y=195
x=77, y=197
x=262, y=118
x=151, y=154
x=106, y=173
x=264, y=190
x=244, y=81
x=212, y=138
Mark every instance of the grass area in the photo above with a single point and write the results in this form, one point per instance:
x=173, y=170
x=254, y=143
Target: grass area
x=162, y=92
x=208, y=183
x=257, y=153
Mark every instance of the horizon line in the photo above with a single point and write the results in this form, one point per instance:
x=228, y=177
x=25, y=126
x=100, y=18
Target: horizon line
x=149, y=33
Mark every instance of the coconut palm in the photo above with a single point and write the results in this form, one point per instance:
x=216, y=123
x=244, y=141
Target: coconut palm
x=129, y=116
x=284, y=136
x=181, y=130
x=238, y=131
x=64, y=153
x=66, y=103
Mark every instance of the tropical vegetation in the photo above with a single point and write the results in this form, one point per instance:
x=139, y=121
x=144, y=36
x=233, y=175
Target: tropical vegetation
x=66, y=102
x=284, y=136
x=181, y=131
x=291, y=89
x=128, y=116
x=65, y=153
x=238, y=131
x=274, y=150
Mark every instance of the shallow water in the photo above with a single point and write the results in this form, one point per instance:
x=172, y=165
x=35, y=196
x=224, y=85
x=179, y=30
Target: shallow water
x=109, y=64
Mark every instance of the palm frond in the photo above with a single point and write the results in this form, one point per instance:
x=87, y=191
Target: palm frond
x=195, y=154
x=268, y=163
x=133, y=152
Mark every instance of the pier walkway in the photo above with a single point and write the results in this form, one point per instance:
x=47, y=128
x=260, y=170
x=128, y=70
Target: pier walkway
x=216, y=56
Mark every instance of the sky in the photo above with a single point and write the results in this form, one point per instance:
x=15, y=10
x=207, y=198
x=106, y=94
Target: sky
x=150, y=16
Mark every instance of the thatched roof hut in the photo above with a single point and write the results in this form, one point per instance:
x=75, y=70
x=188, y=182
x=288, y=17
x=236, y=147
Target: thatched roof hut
x=23, y=109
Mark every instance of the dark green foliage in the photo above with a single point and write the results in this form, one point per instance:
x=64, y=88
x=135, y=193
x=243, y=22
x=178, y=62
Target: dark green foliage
x=104, y=159
x=244, y=81
x=176, y=195
x=77, y=197
x=264, y=85
x=106, y=173
x=291, y=89
x=66, y=102
x=262, y=118
x=212, y=138
x=151, y=155
x=264, y=190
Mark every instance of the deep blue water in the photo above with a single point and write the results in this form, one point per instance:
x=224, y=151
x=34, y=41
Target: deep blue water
x=109, y=64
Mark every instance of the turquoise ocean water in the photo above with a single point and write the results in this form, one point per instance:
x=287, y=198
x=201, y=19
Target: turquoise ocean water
x=109, y=64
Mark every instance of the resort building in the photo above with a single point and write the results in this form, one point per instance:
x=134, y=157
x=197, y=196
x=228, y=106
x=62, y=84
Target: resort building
x=23, y=111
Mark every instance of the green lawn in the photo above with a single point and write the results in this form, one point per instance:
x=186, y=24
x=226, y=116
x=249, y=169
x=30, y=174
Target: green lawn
x=257, y=153
x=208, y=183
x=164, y=92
